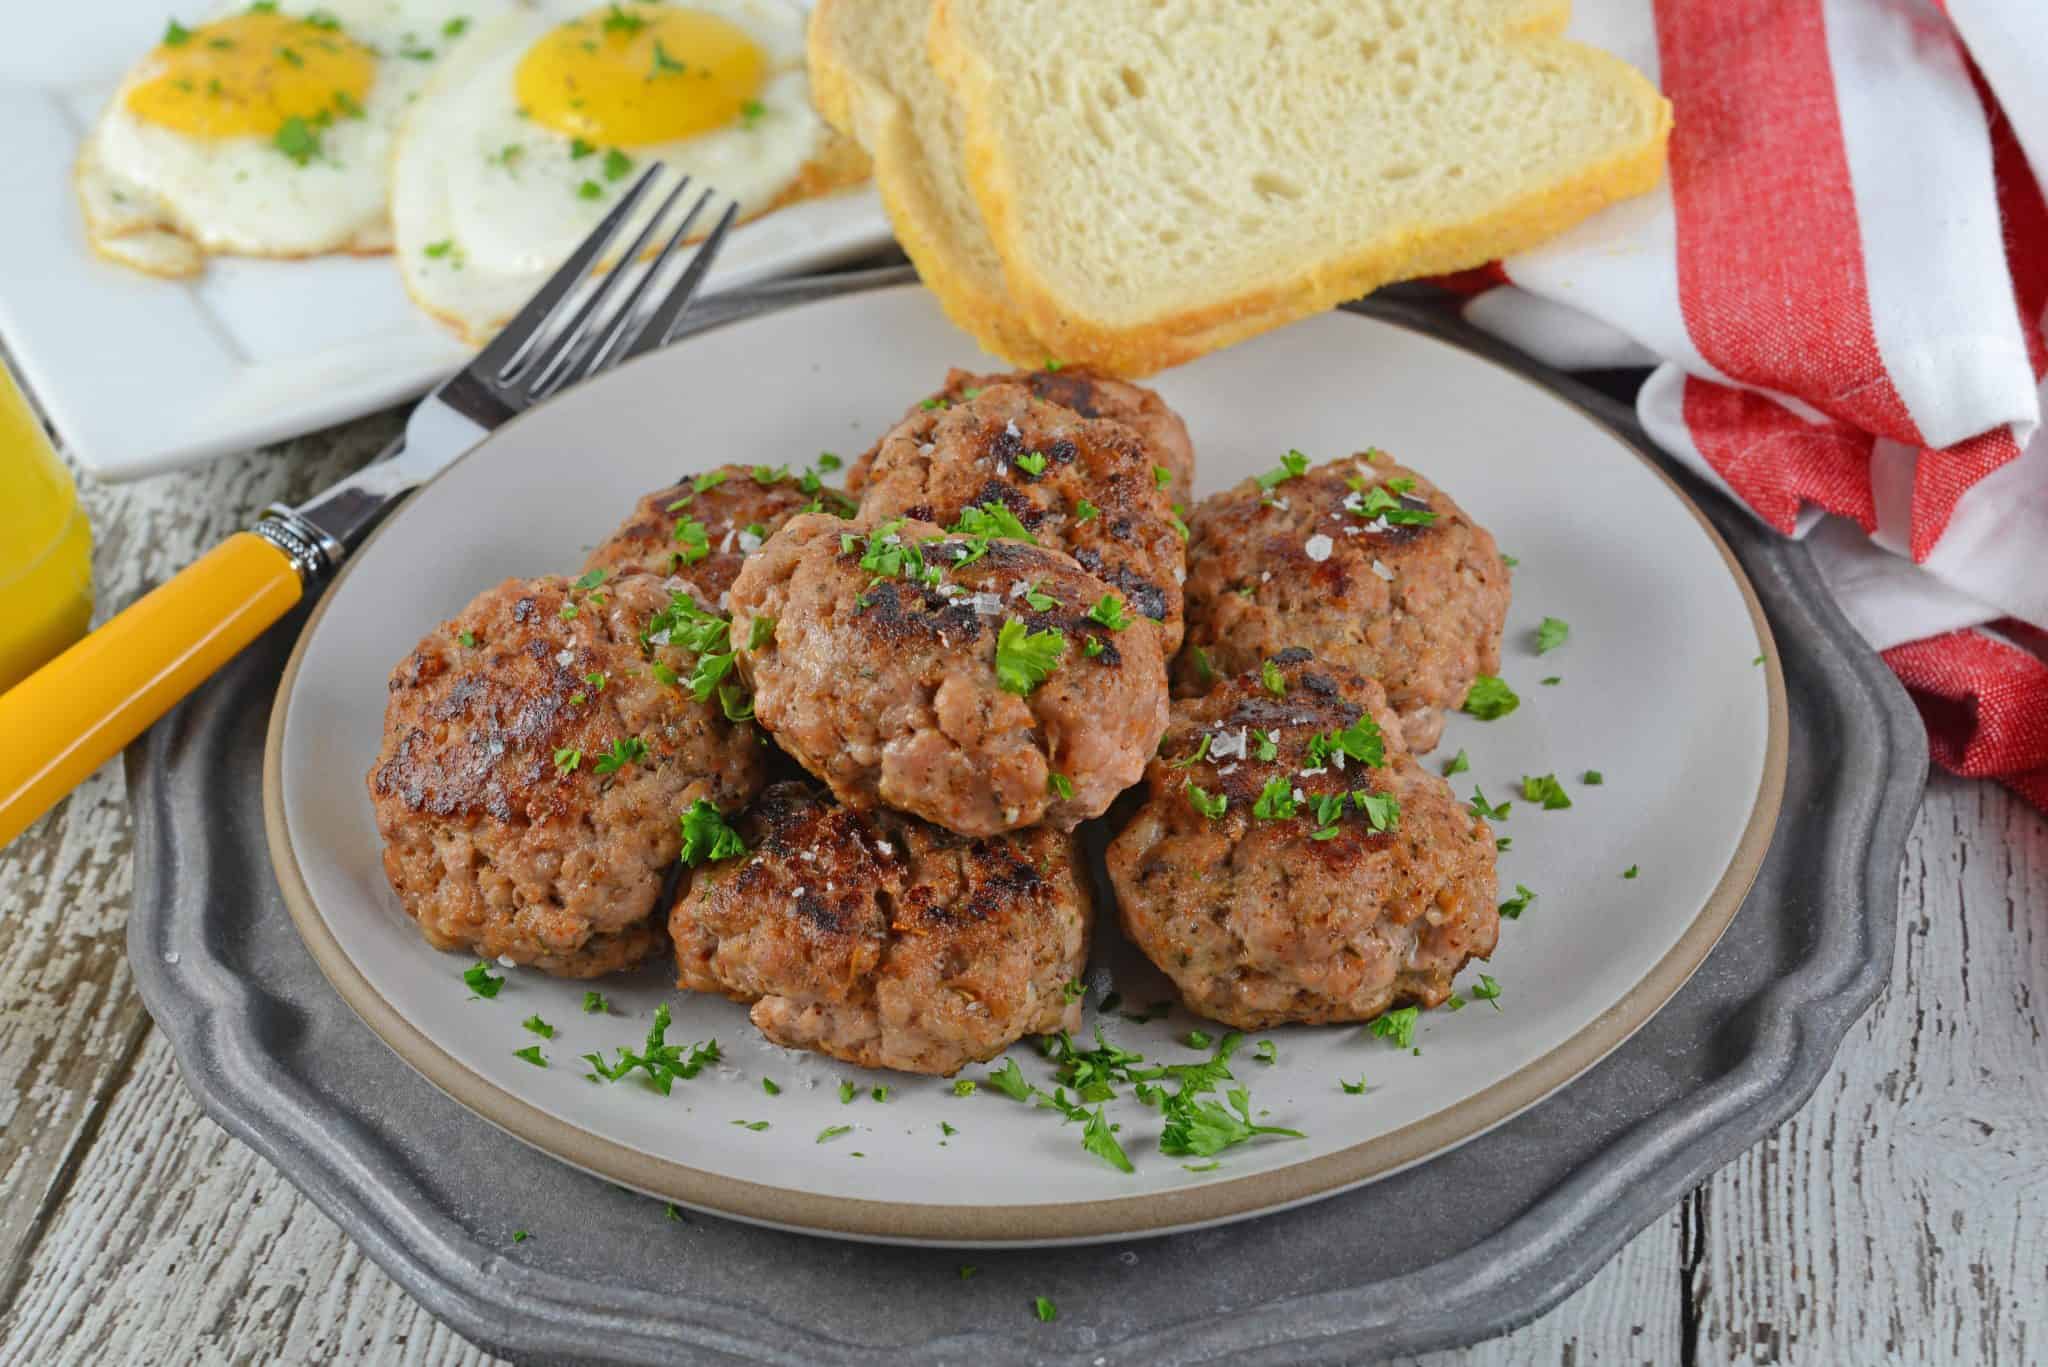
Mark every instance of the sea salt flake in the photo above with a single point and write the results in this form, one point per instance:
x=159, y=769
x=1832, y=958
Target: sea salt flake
x=749, y=543
x=565, y=657
x=988, y=604
x=1319, y=547
x=885, y=847
x=1379, y=568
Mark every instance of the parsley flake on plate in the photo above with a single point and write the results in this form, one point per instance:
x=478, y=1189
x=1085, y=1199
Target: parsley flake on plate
x=880, y=1093
x=479, y=980
x=1592, y=778
x=1046, y=1310
x=1490, y=698
x=1009, y=1080
x=846, y=1090
x=1026, y=658
x=1519, y=903
x=1485, y=810
x=1211, y=805
x=832, y=1132
x=1629, y=872
x=1292, y=466
x=1551, y=634
x=1546, y=790
x=769, y=1086
x=531, y=1053
x=1353, y=1088
x=963, y=1086
x=1398, y=1026
x=1487, y=990
x=1109, y=612
x=1266, y=1052
x=535, y=1025
x=594, y=1004
x=664, y=1063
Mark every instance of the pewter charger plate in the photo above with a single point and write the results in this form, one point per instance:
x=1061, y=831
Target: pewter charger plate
x=1668, y=687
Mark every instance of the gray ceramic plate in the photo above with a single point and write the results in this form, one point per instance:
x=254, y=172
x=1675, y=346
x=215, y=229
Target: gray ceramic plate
x=1659, y=691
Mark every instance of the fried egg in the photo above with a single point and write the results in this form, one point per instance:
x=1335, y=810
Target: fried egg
x=524, y=141
x=264, y=131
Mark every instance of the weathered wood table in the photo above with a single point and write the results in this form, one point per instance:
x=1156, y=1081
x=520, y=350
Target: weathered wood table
x=1902, y=1215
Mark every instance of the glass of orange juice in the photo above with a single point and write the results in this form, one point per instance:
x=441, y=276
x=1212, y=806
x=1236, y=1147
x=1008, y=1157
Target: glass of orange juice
x=45, y=545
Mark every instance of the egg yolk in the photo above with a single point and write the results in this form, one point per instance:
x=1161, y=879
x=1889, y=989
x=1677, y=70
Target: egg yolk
x=247, y=74
x=632, y=74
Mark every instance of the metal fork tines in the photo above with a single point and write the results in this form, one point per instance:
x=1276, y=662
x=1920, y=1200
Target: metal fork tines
x=576, y=326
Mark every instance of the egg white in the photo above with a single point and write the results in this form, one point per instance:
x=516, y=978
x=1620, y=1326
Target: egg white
x=162, y=200
x=479, y=229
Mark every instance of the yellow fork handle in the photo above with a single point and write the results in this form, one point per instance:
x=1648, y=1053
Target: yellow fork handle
x=69, y=717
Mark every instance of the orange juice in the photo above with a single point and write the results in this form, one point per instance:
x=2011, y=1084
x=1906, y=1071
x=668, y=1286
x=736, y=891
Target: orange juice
x=45, y=545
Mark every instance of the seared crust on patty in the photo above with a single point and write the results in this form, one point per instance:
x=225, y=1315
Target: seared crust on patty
x=1090, y=394
x=736, y=508
x=939, y=462
x=1420, y=608
x=884, y=681
x=882, y=940
x=508, y=832
x=1258, y=921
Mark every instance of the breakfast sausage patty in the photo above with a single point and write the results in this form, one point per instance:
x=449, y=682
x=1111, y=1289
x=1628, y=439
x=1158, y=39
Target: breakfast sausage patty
x=533, y=769
x=882, y=940
x=705, y=526
x=1084, y=485
x=1292, y=862
x=979, y=683
x=1365, y=563
x=1089, y=394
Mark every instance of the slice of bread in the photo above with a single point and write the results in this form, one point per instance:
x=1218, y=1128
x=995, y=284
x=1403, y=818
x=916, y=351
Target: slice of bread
x=870, y=80
x=1161, y=177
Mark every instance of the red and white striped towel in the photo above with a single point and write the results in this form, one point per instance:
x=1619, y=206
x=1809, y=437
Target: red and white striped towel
x=1841, y=285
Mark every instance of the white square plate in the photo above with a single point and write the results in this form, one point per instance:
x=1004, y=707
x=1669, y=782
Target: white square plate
x=142, y=375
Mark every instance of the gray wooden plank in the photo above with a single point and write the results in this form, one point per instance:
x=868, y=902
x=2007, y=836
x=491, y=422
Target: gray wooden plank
x=1901, y=1215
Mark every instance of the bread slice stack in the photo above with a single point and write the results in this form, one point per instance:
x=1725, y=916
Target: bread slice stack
x=1129, y=184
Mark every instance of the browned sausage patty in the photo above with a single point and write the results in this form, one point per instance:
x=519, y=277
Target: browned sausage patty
x=1084, y=485
x=705, y=526
x=883, y=940
x=1290, y=902
x=1414, y=595
x=533, y=769
x=960, y=679
x=1092, y=396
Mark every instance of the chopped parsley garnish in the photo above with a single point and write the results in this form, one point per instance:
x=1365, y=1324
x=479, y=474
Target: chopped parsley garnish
x=1032, y=462
x=520, y=1236
x=1553, y=681
x=1592, y=778
x=1487, y=990
x=1051, y=365
x=455, y=27
x=1084, y=511
x=1629, y=872
x=692, y=537
x=846, y=1090
x=768, y=1086
x=1360, y=741
x=1292, y=466
x=992, y=519
x=590, y=189
x=751, y=112
x=1204, y=671
x=1060, y=786
x=1398, y=1026
x=1276, y=800
x=1009, y=1080
x=1456, y=764
x=297, y=140
x=1510, y=561
x=1047, y=1311
x=1109, y=612
x=1490, y=698
x=674, y=1214
x=1161, y=476
x=706, y=836
x=1271, y=677
x=579, y=149
x=1180, y=528
x=1485, y=810
x=664, y=1063
x=963, y=1086
x=1519, y=903
x=1264, y=747
x=1201, y=752
x=467, y=638
x=531, y=1053
x=589, y=580
x=619, y=21
x=1546, y=790
x=1382, y=810
x=946, y=1129
x=879, y=1093
x=1026, y=658
x=1092, y=647
x=1353, y=1088
x=828, y=461
x=535, y=1025
x=1211, y=805
x=594, y=1004
x=1040, y=601
x=625, y=750
x=1551, y=634
x=832, y=1132
x=755, y=1125
x=1266, y=1051
x=665, y=65
x=1198, y=1039
x=1201, y=1129
x=479, y=980
x=568, y=612
x=1074, y=989
x=176, y=34
x=1377, y=502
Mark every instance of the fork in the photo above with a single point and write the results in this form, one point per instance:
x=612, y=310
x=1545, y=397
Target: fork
x=80, y=709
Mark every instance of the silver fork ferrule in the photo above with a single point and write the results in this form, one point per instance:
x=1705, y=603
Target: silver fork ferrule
x=313, y=553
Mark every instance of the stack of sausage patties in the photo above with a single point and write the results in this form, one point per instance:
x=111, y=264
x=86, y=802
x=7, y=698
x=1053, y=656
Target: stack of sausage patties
x=882, y=725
